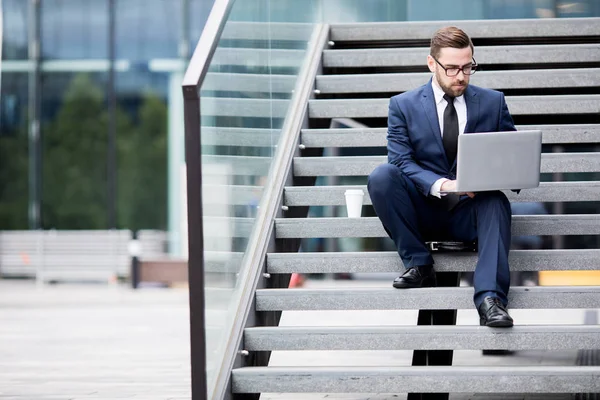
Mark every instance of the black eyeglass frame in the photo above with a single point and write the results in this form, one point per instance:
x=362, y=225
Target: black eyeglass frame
x=473, y=67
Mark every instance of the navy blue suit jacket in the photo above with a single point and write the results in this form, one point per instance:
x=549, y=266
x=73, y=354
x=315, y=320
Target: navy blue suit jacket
x=414, y=137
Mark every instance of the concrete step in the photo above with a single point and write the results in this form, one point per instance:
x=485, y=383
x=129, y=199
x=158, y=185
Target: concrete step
x=267, y=31
x=242, y=137
x=376, y=137
x=240, y=195
x=477, y=379
x=225, y=262
x=527, y=79
x=569, y=224
x=439, y=298
x=415, y=57
x=256, y=59
x=258, y=83
x=492, y=29
x=389, y=261
x=244, y=107
x=364, y=165
x=535, y=337
x=518, y=105
x=228, y=227
x=547, y=191
x=218, y=165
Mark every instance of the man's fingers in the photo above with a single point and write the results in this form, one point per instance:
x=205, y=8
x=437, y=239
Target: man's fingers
x=471, y=194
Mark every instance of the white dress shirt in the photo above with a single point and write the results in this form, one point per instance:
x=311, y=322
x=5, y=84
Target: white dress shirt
x=461, y=111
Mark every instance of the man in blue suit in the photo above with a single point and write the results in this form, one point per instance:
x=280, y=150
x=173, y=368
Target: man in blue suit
x=423, y=129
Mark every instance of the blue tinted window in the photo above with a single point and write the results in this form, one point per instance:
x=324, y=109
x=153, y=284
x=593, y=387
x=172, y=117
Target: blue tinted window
x=15, y=19
x=148, y=29
x=74, y=29
x=199, y=10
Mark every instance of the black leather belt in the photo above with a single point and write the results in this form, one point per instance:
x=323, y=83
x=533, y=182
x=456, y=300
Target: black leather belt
x=452, y=246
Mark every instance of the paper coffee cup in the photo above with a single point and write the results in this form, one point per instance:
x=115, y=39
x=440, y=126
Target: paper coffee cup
x=354, y=201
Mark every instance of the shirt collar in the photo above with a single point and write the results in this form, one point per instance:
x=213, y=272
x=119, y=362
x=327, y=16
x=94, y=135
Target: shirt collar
x=438, y=93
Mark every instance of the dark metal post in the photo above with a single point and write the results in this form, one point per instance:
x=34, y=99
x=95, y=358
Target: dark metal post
x=111, y=159
x=191, y=111
x=193, y=158
x=135, y=262
x=436, y=317
x=35, y=139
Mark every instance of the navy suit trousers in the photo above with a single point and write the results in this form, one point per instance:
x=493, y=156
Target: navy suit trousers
x=411, y=219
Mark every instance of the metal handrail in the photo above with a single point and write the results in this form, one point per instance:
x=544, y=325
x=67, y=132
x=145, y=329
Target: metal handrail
x=193, y=78
x=207, y=45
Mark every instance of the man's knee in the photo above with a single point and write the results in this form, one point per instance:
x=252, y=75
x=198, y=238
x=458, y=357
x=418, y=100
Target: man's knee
x=495, y=199
x=383, y=178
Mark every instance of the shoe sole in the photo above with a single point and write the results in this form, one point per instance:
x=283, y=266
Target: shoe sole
x=496, y=324
x=497, y=352
x=407, y=286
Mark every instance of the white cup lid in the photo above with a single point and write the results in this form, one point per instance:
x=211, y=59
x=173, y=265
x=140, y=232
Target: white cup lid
x=354, y=191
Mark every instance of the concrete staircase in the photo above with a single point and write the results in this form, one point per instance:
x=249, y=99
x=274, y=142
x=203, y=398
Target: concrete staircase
x=550, y=73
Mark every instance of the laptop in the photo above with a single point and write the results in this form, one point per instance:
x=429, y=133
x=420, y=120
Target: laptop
x=498, y=160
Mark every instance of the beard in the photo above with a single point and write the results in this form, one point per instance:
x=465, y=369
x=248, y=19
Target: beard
x=453, y=89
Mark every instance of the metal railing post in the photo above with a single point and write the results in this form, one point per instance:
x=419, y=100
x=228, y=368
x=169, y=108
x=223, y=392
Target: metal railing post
x=134, y=250
x=195, y=242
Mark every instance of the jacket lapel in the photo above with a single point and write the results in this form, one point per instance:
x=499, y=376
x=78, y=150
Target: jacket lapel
x=428, y=102
x=472, y=101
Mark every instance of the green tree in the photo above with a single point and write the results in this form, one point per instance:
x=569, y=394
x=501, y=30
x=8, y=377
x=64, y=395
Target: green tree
x=75, y=157
x=14, y=179
x=75, y=169
x=143, y=168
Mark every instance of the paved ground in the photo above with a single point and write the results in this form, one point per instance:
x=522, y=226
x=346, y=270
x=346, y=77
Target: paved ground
x=92, y=342
x=100, y=342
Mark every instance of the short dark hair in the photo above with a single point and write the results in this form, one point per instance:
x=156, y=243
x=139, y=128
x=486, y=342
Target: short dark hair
x=449, y=36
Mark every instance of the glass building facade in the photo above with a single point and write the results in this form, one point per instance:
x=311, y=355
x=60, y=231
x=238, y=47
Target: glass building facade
x=90, y=110
x=84, y=110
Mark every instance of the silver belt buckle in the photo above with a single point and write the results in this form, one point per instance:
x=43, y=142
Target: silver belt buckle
x=433, y=246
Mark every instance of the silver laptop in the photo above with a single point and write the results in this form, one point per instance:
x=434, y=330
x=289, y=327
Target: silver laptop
x=498, y=160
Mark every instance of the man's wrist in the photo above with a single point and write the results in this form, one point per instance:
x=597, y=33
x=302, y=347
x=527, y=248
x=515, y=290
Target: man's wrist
x=436, y=187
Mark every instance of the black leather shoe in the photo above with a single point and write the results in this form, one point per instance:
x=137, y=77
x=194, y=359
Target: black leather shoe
x=416, y=277
x=493, y=313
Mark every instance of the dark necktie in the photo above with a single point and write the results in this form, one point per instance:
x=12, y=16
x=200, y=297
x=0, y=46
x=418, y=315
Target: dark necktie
x=450, y=138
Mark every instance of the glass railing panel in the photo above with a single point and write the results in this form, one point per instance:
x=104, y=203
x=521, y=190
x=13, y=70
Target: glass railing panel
x=244, y=98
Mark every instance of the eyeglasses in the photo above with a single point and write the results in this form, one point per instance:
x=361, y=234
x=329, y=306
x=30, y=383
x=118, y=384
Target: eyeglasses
x=468, y=69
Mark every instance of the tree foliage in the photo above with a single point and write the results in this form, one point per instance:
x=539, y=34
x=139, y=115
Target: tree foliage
x=13, y=179
x=74, y=160
x=75, y=165
x=143, y=169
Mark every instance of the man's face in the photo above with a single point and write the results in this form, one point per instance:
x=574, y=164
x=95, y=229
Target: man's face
x=450, y=57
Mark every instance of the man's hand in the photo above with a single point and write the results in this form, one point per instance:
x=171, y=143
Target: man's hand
x=450, y=186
